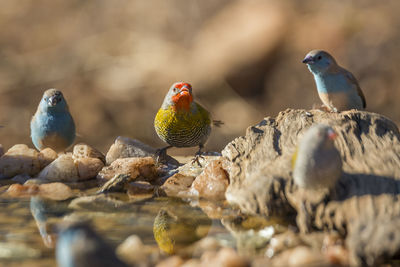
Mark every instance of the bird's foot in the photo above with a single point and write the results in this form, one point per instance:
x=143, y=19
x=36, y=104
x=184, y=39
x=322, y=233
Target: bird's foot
x=197, y=158
x=161, y=155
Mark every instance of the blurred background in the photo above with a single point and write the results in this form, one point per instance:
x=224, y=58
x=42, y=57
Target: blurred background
x=115, y=60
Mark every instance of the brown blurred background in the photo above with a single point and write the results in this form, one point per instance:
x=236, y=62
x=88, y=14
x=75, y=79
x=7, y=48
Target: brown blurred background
x=115, y=60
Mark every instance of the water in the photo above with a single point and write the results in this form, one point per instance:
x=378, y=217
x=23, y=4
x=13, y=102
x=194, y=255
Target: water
x=29, y=226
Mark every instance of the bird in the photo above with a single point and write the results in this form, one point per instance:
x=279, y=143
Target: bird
x=182, y=122
x=316, y=162
x=337, y=87
x=78, y=245
x=52, y=125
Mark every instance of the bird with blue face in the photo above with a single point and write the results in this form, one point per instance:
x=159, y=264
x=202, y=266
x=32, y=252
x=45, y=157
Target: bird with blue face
x=52, y=125
x=337, y=87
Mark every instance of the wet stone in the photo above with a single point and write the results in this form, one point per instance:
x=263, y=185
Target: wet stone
x=55, y=191
x=212, y=182
x=176, y=185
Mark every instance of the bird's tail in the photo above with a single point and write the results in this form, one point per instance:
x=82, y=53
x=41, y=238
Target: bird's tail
x=218, y=123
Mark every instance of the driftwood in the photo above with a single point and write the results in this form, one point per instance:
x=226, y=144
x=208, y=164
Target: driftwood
x=364, y=206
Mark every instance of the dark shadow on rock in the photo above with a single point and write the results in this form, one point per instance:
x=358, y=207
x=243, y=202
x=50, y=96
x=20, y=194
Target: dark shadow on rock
x=358, y=184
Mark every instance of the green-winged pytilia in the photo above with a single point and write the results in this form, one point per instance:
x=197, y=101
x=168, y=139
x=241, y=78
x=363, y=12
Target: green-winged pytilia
x=181, y=122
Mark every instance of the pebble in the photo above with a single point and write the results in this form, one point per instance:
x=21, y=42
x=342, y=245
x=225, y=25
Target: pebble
x=175, y=185
x=132, y=250
x=20, y=159
x=212, y=182
x=54, y=191
x=143, y=168
x=173, y=261
x=67, y=169
x=82, y=151
x=125, y=147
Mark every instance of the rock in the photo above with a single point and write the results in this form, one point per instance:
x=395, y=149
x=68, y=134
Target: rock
x=212, y=182
x=173, y=261
x=300, y=256
x=88, y=167
x=1, y=150
x=116, y=184
x=17, y=190
x=175, y=185
x=20, y=159
x=125, y=147
x=224, y=257
x=54, y=191
x=137, y=168
x=82, y=151
x=260, y=175
x=62, y=169
x=46, y=156
x=133, y=251
x=67, y=169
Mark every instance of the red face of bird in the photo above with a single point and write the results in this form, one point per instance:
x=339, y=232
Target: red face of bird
x=179, y=96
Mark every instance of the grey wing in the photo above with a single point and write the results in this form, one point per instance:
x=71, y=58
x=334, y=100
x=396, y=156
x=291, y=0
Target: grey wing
x=354, y=81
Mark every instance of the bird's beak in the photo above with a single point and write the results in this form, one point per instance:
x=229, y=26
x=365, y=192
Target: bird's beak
x=332, y=135
x=53, y=100
x=184, y=91
x=308, y=60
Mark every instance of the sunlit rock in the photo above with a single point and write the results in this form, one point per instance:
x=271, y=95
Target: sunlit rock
x=82, y=150
x=137, y=168
x=20, y=159
x=212, y=182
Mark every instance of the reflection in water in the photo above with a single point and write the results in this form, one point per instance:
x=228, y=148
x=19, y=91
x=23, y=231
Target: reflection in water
x=176, y=229
x=39, y=210
x=79, y=246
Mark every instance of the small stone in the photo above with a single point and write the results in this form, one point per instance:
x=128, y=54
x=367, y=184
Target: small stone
x=46, y=156
x=132, y=250
x=88, y=167
x=55, y=191
x=61, y=169
x=17, y=190
x=176, y=184
x=124, y=147
x=19, y=159
x=227, y=257
x=300, y=256
x=173, y=261
x=212, y=182
x=136, y=167
x=82, y=151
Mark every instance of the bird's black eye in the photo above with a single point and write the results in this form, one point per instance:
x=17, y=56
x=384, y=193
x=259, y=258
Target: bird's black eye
x=319, y=57
x=175, y=89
